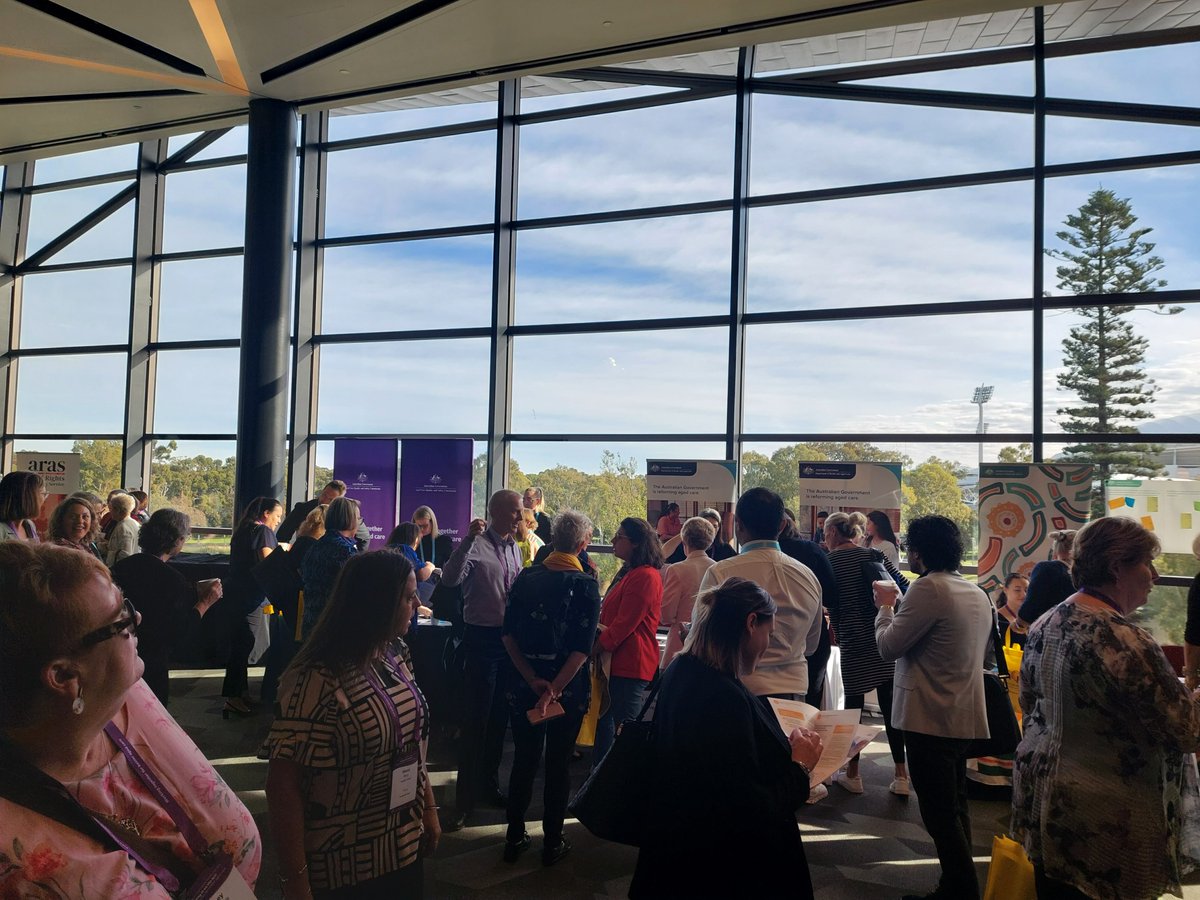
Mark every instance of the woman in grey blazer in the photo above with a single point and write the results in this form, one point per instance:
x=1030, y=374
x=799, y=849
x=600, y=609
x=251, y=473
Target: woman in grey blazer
x=939, y=636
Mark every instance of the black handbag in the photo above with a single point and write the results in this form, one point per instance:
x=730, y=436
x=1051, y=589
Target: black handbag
x=1002, y=721
x=614, y=802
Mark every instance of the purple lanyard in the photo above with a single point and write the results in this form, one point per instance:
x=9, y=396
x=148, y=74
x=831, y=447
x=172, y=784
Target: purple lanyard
x=182, y=821
x=509, y=575
x=1102, y=597
x=390, y=705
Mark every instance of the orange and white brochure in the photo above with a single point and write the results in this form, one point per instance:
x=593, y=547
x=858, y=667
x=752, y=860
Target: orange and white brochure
x=842, y=735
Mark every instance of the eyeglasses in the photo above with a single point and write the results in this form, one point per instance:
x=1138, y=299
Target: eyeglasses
x=102, y=634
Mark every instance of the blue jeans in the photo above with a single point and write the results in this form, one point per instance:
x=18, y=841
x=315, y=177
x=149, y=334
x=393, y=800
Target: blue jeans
x=626, y=696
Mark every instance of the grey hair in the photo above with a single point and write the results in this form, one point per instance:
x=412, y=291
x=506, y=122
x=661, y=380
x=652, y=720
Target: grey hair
x=698, y=533
x=569, y=529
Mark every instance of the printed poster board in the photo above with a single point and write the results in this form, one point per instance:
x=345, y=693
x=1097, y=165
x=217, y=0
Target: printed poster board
x=436, y=472
x=1019, y=505
x=60, y=476
x=1167, y=506
x=368, y=466
x=694, y=484
x=847, y=487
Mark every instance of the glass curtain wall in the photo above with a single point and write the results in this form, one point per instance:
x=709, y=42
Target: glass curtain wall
x=815, y=248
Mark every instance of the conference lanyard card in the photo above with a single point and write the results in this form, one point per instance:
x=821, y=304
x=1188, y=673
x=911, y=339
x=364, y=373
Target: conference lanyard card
x=406, y=777
x=220, y=881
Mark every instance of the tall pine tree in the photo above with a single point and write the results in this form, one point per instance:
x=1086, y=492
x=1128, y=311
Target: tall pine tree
x=1106, y=254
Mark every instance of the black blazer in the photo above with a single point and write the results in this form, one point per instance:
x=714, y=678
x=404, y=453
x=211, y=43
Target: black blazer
x=723, y=820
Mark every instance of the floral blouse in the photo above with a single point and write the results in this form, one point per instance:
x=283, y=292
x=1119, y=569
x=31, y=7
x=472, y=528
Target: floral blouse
x=1099, y=771
x=42, y=858
x=335, y=726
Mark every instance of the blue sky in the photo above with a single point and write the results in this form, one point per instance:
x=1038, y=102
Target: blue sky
x=891, y=375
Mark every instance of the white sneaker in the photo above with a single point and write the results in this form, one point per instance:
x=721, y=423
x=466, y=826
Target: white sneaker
x=900, y=786
x=853, y=785
x=818, y=793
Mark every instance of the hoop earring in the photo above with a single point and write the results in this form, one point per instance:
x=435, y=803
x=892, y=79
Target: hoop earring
x=77, y=705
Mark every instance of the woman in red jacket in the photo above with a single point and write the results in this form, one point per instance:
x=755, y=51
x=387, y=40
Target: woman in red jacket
x=629, y=626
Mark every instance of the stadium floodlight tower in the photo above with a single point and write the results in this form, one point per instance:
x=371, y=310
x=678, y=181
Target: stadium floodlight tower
x=983, y=394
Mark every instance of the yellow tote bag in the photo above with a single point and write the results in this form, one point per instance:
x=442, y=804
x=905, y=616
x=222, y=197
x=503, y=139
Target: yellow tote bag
x=1012, y=656
x=1010, y=875
x=587, y=728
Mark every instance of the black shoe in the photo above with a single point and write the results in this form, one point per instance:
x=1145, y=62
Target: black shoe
x=498, y=799
x=551, y=855
x=455, y=822
x=512, y=851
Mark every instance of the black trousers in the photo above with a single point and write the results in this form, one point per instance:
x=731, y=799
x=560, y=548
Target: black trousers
x=241, y=643
x=558, y=738
x=894, y=735
x=938, y=768
x=407, y=883
x=1049, y=889
x=485, y=716
x=816, y=667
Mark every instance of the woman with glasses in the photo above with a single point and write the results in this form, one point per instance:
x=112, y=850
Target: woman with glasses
x=629, y=618
x=435, y=547
x=102, y=794
x=170, y=605
x=21, y=496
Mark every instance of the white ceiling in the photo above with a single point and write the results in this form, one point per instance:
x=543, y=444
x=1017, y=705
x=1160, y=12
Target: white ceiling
x=121, y=69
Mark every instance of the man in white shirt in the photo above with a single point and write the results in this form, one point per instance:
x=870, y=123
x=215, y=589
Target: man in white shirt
x=783, y=670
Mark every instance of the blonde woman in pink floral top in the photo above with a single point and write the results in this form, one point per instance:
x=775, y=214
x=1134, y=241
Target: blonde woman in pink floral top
x=102, y=794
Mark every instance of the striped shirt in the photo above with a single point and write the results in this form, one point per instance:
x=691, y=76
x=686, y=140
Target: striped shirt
x=336, y=726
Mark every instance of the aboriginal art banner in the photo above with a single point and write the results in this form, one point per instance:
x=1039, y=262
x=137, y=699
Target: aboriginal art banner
x=848, y=487
x=368, y=466
x=1019, y=505
x=60, y=478
x=1168, y=507
x=436, y=472
x=692, y=485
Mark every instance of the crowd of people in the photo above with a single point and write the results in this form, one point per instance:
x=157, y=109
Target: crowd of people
x=107, y=795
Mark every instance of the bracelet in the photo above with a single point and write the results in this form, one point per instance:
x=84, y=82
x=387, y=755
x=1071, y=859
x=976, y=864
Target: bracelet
x=283, y=880
x=807, y=770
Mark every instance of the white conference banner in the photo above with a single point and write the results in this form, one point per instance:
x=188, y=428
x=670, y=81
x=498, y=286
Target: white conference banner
x=693, y=484
x=60, y=477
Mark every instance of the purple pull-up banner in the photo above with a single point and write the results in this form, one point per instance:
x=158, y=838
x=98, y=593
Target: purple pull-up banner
x=369, y=469
x=437, y=473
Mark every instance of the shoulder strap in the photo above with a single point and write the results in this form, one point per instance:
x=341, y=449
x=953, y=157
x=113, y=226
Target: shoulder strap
x=650, y=695
x=28, y=786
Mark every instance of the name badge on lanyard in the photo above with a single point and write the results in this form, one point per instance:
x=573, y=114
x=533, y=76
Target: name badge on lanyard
x=406, y=765
x=220, y=881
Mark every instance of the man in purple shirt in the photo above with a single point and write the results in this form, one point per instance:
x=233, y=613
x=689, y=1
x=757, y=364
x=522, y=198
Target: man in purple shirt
x=486, y=563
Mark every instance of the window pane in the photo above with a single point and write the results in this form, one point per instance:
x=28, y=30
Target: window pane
x=232, y=143
x=1166, y=368
x=53, y=213
x=651, y=268
x=802, y=143
x=76, y=394
x=201, y=299
x=541, y=92
x=444, y=283
x=413, y=387
x=75, y=309
x=642, y=157
x=82, y=165
x=1168, y=75
x=451, y=107
x=1072, y=139
x=196, y=478
x=1162, y=199
x=956, y=244
x=205, y=209
x=922, y=383
x=596, y=383
x=196, y=392
x=1007, y=78
x=605, y=481
x=412, y=185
